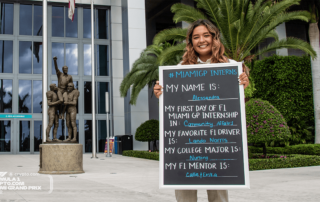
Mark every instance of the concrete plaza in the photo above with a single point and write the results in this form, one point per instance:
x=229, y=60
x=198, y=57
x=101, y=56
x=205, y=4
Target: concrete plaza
x=127, y=179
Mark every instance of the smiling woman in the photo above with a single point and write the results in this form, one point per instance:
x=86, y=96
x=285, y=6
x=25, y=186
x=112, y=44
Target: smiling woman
x=203, y=43
x=203, y=46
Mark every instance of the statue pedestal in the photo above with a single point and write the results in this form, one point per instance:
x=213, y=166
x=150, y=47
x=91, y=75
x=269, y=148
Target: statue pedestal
x=61, y=159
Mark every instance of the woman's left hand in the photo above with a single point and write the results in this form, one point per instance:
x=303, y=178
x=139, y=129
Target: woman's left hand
x=244, y=80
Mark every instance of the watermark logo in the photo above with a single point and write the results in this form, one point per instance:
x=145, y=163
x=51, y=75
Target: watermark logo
x=2, y=174
x=22, y=182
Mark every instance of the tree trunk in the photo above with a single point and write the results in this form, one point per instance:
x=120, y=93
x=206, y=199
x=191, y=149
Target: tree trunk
x=264, y=151
x=314, y=42
x=155, y=148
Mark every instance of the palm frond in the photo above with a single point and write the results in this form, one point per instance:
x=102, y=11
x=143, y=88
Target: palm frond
x=140, y=68
x=264, y=16
x=177, y=34
x=292, y=43
x=153, y=50
x=171, y=53
x=272, y=34
x=279, y=19
x=186, y=13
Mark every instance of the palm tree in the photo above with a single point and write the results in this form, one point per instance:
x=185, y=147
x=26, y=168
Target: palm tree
x=145, y=70
x=243, y=25
x=314, y=41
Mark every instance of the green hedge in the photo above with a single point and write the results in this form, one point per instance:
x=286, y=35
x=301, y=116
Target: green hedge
x=307, y=149
x=291, y=162
x=286, y=82
x=141, y=154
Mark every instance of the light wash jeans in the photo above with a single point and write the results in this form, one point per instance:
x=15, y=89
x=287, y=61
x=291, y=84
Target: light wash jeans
x=191, y=195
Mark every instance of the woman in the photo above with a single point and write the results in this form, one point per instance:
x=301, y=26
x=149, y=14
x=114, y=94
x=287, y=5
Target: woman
x=204, y=46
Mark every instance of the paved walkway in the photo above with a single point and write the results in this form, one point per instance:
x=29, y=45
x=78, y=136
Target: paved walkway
x=126, y=179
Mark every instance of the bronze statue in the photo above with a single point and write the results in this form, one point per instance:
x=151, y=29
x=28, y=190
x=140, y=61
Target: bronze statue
x=70, y=101
x=53, y=104
x=63, y=80
x=63, y=98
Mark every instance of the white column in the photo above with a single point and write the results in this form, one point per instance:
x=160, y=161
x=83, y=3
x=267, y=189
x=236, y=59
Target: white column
x=281, y=30
x=137, y=42
x=44, y=69
x=93, y=85
x=117, y=67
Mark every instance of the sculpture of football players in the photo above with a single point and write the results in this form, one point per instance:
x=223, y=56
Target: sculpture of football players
x=70, y=101
x=63, y=80
x=53, y=104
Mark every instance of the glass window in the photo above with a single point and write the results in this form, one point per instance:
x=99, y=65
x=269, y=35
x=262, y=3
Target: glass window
x=88, y=135
x=25, y=24
x=24, y=96
x=72, y=26
x=102, y=23
x=57, y=21
x=37, y=57
x=5, y=96
x=291, y=31
x=37, y=20
x=37, y=134
x=72, y=58
x=87, y=59
x=37, y=96
x=76, y=85
x=102, y=60
x=58, y=51
x=102, y=87
x=102, y=54
x=102, y=134
x=61, y=130
x=24, y=136
x=86, y=23
x=5, y=136
x=25, y=57
x=6, y=18
x=6, y=58
x=87, y=98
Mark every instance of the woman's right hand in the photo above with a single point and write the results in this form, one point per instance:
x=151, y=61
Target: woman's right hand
x=157, y=89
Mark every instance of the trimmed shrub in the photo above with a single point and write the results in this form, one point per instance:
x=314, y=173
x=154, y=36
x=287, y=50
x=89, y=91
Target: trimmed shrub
x=148, y=131
x=248, y=92
x=307, y=149
x=289, y=162
x=265, y=125
x=141, y=154
x=286, y=82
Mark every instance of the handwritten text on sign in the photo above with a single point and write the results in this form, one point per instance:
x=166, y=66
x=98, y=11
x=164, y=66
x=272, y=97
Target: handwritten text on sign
x=202, y=127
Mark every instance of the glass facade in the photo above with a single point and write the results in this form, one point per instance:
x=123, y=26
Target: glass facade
x=6, y=56
x=6, y=18
x=24, y=136
x=37, y=135
x=101, y=130
x=21, y=79
x=5, y=96
x=5, y=136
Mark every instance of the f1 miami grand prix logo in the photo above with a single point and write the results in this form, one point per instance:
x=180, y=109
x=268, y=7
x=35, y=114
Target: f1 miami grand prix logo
x=16, y=182
x=2, y=174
